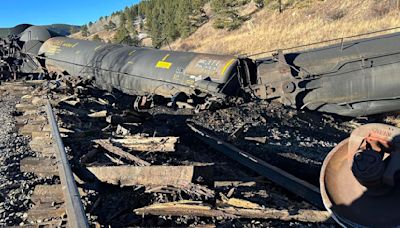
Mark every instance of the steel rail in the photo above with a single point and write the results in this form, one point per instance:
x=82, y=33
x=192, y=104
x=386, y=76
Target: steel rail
x=280, y=177
x=74, y=208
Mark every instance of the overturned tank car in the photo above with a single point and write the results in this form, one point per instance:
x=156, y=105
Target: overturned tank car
x=142, y=71
x=354, y=78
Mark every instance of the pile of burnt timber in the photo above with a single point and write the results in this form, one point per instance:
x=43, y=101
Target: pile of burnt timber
x=149, y=169
x=162, y=174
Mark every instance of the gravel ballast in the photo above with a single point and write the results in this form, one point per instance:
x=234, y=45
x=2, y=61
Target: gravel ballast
x=15, y=187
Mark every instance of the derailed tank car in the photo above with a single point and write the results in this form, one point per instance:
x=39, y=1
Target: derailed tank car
x=142, y=71
x=356, y=78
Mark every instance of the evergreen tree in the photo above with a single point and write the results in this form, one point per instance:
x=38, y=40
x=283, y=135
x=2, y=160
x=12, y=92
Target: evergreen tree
x=164, y=19
x=130, y=19
x=122, y=19
x=183, y=18
x=155, y=28
x=123, y=37
x=85, y=31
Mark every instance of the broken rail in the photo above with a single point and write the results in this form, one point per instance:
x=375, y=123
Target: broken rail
x=74, y=208
x=280, y=177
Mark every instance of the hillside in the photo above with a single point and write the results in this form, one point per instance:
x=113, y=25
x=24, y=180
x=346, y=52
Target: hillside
x=243, y=26
x=150, y=22
x=98, y=29
x=301, y=22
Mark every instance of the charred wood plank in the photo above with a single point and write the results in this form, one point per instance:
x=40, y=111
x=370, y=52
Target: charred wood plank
x=194, y=208
x=313, y=216
x=106, y=144
x=179, y=176
x=148, y=144
x=183, y=208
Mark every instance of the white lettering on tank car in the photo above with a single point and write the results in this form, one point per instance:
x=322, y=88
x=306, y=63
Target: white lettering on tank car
x=208, y=64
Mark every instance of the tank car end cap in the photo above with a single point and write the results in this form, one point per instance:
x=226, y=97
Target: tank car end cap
x=352, y=203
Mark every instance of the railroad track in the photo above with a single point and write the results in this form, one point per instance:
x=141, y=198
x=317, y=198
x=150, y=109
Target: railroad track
x=58, y=204
x=123, y=163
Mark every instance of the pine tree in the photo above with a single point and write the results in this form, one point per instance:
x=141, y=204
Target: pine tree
x=85, y=31
x=123, y=37
x=130, y=19
x=122, y=19
x=164, y=19
x=183, y=18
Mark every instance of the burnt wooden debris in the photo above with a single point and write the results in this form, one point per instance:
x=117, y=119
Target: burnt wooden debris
x=143, y=167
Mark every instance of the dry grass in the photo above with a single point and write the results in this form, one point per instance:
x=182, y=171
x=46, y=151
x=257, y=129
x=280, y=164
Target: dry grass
x=308, y=21
x=106, y=36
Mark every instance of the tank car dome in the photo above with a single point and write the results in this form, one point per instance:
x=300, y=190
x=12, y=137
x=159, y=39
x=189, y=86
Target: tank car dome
x=19, y=29
x=39, y=33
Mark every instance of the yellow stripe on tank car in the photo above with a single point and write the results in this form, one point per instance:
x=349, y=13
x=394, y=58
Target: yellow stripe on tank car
x=166, y=57
x=227, y=65
x=98, y=47
x=163, y=63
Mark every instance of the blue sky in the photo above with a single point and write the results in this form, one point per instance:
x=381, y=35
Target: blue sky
x=43, y=12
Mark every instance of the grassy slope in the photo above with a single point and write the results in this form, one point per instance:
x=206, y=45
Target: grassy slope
x=106, y=36
x=306, y=22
